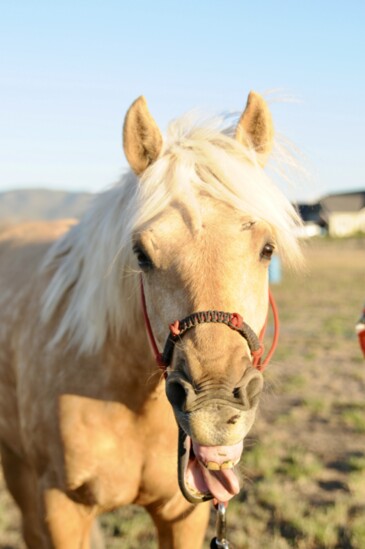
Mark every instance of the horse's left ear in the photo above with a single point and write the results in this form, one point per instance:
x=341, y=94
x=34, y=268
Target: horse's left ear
x=142, y=140
x=256, y=124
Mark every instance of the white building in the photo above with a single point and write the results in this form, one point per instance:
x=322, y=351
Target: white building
x=344, y=213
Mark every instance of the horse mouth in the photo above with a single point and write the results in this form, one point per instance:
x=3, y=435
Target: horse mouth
x=207, y=472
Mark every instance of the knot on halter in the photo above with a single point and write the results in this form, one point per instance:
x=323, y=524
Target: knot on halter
x=179, y=327
x=236, y=320
x=175, y=328
x=258, y=353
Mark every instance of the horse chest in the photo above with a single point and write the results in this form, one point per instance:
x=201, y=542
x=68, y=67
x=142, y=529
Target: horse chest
x=112, y=455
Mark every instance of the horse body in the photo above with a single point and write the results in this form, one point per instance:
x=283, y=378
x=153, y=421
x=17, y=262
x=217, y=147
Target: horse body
x=85, y=425
x=93, y=431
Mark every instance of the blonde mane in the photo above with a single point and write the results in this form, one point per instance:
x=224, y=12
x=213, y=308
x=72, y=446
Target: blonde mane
x=92, y=266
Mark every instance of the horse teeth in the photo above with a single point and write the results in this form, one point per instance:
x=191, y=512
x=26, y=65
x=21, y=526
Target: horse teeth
x=194, y=490
x=227, y=465
x=212, y=466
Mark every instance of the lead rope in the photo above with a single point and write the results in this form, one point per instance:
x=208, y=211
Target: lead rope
x=156, y=352
x=275, y=313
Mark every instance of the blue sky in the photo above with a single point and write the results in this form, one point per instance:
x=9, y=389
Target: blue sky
x=70, y=69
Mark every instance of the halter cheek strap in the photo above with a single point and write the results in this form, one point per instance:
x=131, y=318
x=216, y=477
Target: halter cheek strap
x=232, y=320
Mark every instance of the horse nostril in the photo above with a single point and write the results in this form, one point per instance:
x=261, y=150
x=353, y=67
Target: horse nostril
x=248, y=393
x=240, y=394
x=176, y=394
x=254, y=388
x=237, y=393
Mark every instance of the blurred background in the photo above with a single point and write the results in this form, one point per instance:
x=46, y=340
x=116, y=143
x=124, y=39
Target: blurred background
x=70, y=70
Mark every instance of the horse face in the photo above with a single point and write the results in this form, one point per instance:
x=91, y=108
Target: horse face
x=197, y=260
x=202, y=254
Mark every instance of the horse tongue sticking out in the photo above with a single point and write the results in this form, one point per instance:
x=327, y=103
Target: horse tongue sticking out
x=212, y=470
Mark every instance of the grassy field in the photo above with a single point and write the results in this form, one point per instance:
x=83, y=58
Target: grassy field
x=303, y=471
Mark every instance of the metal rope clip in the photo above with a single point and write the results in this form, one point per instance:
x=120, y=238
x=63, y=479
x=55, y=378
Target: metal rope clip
x=220, y=541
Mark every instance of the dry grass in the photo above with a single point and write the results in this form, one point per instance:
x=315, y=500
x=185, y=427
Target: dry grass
x=304, y=465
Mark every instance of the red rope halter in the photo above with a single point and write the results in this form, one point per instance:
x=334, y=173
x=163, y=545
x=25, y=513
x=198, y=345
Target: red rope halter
x=233, y=320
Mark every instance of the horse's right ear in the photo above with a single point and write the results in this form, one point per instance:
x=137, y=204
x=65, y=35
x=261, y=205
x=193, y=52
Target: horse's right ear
x=256, y=124
x=142, y=140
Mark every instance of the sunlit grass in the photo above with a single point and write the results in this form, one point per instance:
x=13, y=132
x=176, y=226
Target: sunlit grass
x=353, y=416
x=129, y=527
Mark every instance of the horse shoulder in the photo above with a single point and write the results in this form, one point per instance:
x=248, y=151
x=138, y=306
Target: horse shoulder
x=22, y=248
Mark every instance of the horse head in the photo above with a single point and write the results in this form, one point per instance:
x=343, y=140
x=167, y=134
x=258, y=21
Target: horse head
x=203, y=257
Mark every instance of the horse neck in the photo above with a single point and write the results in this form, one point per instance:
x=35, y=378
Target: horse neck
x=130, y=362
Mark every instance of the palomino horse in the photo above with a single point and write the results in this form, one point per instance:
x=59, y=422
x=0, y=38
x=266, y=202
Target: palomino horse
x=85, y=424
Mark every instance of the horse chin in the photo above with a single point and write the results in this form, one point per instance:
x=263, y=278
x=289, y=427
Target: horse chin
x=207, y=472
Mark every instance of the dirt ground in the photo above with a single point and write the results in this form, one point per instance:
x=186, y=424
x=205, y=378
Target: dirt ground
x=303, y=470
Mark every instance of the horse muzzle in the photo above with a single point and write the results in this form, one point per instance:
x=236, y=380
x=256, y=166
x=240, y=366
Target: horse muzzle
x=213, y=420
x=214, y=413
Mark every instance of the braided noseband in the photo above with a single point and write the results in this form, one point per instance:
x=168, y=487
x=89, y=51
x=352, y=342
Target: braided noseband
x=232, y=320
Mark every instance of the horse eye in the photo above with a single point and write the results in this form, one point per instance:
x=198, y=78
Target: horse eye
x=267, y=251
x=143, y=260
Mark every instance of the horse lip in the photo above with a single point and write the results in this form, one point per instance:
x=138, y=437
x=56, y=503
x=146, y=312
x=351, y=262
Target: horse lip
x=191, y=468
x=184, y=449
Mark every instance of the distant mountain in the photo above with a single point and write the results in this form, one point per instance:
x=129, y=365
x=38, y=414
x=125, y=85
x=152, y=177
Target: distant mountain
x=30, y=204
